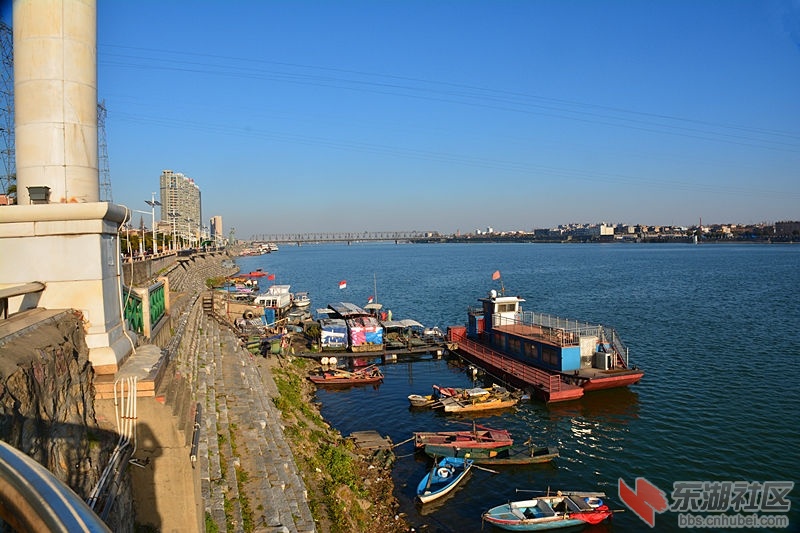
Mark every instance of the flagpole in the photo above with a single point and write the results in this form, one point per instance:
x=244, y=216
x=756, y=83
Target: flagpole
x=375, y=285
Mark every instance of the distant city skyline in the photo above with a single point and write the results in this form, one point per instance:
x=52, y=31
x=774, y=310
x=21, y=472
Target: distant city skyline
x=355, y=115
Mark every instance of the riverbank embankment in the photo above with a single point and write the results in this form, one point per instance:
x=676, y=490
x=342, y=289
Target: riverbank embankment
x=265, y=460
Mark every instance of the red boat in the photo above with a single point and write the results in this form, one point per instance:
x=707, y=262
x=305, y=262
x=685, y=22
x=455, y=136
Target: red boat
x=337, y=376
x=484, y=438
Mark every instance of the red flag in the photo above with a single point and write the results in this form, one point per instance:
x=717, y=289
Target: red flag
x=369, y=301
x=271, y=277
x=496, y=274
x=343, y=284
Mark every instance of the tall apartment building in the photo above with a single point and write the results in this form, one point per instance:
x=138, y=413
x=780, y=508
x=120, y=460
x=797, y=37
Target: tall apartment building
x=180, y=205
x=216, y=230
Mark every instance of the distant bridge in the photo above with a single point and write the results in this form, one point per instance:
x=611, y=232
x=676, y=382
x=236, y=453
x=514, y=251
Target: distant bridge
x=299, y=238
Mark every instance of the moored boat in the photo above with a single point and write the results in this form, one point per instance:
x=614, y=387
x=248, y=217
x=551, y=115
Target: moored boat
x=562, y=510
x=301, y=300
x=467, y=439
x=442, y=478
x=559, y=358
x=488, y=402
x=339, y=377
x=418, y=400
x=515, y=455
x=440, y=395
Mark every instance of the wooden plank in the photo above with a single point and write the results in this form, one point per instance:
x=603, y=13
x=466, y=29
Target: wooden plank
x=19, y=290
x=370, y=440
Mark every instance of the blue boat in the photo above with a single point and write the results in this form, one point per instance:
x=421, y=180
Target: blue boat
x=443, y=477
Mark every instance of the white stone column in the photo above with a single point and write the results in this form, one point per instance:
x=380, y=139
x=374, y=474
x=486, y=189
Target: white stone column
x=69, y=243
x=55, y=102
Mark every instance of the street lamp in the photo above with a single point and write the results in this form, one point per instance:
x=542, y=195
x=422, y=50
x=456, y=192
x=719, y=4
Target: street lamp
x=189, y=231
x=173, y=215
x=153, y=203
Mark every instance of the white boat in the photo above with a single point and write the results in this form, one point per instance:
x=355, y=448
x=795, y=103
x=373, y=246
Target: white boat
x=301, y=299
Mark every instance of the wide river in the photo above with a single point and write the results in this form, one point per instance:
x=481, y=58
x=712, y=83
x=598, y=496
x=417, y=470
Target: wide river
x=716, y=329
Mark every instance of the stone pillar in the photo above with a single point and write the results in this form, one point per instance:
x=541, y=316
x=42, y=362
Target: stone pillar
x=55, y=99
x=68, y=241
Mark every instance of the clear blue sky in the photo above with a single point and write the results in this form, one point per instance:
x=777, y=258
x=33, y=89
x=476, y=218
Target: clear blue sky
x=298, y=116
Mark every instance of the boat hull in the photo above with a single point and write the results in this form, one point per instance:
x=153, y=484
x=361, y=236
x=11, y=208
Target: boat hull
x=479, y=405
x=443, y=478
x=479, y=439
x=498, y=456
x=549, y=512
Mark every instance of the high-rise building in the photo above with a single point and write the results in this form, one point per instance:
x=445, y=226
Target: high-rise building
x=180, y=206
x=216, y=230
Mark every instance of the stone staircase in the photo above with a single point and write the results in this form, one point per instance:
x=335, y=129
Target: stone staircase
x=246, y=468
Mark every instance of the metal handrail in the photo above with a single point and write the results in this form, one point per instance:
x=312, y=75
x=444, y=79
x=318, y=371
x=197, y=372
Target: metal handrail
x=33, y=499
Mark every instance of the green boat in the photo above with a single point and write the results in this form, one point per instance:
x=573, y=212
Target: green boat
x=506, y=455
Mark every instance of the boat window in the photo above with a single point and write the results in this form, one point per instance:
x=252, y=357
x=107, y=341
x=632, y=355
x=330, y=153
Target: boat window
x=530, y=350
x=497, y=340
x=550, y=356
x=506, y=308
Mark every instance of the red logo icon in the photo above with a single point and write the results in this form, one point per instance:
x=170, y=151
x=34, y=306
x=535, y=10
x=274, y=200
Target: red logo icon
x=646, y=500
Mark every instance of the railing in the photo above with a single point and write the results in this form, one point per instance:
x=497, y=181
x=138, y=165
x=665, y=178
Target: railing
x=573, y=329
x=526, y=373
x=158, y=304
x=144, y=308
x=33, y=499
x=134, y=311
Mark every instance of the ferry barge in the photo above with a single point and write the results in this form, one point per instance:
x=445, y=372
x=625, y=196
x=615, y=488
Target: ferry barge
x=559, y=359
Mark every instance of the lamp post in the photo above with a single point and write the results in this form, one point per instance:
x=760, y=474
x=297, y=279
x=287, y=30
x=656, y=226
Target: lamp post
x=189, y=231
x=153, y=203
x=173, y=215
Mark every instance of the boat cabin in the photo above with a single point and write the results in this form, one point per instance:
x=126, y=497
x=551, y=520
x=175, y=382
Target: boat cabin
x=543, y=341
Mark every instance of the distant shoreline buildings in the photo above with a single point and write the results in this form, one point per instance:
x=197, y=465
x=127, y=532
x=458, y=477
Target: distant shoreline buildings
x=783, y=231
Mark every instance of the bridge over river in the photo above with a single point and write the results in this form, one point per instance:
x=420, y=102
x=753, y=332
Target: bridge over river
x=350, y=237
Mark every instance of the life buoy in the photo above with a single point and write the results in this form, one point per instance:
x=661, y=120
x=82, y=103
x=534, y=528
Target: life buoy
x=443, y=472
x=248, y=314
x=594, y=502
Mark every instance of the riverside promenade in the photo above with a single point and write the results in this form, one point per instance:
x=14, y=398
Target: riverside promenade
x=245, y=475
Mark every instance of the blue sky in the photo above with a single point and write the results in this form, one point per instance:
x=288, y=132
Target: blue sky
x=451, y=116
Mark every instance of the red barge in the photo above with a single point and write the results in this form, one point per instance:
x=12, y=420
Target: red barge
x=558, y=359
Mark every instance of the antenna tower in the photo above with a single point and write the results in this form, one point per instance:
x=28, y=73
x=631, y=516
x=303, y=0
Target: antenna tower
x=8, y=178
x=102, y=154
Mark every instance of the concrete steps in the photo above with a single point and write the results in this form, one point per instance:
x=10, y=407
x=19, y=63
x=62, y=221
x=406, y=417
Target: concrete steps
x=248, y=435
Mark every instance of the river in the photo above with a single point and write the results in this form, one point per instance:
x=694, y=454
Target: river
x=715, y=328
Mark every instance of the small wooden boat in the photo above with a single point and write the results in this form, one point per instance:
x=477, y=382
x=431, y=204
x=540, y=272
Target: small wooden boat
x=475, y=438
x=339, y=377
x=418, y=400
x=443, y=477
x=475, y=404
x=562, y=510
x=504, y=456
x=433, y=400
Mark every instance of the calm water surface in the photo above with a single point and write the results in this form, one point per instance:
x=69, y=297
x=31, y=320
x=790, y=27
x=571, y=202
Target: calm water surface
x=715, y=327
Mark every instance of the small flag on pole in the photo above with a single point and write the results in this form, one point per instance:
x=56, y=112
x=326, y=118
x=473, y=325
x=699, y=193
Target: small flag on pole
x=496, y=274
x=370, y=299
x=343, y=284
